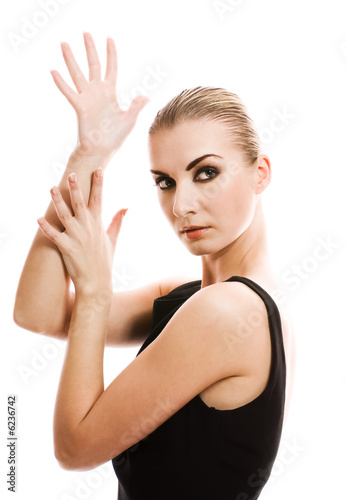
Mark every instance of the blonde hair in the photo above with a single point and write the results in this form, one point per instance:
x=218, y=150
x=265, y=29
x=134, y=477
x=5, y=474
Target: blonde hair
x=215, y=104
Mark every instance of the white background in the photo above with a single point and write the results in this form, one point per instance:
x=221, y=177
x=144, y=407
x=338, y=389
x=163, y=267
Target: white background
x=280, y=58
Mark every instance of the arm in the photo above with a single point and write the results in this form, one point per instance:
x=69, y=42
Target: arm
x=177, y=366
x=93, y=425
x=44, y=300
x=102, y=128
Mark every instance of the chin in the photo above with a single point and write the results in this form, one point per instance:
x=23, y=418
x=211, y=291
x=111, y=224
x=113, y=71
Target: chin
x=198, y=248
x=196, y=251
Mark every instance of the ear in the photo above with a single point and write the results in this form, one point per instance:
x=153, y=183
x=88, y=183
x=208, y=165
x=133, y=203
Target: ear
x=263, y=169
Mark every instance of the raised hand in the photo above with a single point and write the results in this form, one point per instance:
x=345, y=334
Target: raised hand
x=102, y=124
x=87, y=249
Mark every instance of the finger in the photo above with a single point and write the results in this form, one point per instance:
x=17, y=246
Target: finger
x=51, y=233
x=76, y=74
x=93, y=59
x=65, y=89
x=77, y=200
x=112, y=62
x=114, y=227
x=95, y=198
x=62, y=211
x=136, y=106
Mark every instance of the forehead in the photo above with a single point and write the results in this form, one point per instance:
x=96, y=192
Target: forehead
x=189, y=140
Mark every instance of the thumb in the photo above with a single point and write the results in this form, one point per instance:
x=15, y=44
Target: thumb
x=137, y=105
x=113, y=229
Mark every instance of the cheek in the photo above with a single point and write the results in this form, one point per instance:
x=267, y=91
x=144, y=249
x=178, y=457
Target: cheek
x=166, y=205
x=236, y=206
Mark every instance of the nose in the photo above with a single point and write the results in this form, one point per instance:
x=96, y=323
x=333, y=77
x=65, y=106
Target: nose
x=184, y=201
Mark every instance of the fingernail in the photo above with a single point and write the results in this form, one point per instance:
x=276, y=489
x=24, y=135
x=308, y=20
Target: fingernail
x=124, y=211
x=99, y=172
x=72, y=177
x=40, y=220
x=54, y=191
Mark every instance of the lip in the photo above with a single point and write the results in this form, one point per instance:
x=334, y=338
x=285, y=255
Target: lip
x=192, y=228
x=193, y=232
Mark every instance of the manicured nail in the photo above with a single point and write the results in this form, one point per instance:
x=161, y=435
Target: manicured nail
x=72, y=178
x=99, y=172
x=124, y=211
x=40, y=220
x=54, y=191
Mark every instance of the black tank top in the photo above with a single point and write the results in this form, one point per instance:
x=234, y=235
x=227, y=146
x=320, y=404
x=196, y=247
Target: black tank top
x=202, y=453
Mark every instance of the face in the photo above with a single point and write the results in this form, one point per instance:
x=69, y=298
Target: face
x=205, y=189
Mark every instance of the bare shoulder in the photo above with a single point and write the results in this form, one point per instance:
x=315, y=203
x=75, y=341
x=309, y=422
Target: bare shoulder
x=239, y=322
x=208, y=331
x=233, y=298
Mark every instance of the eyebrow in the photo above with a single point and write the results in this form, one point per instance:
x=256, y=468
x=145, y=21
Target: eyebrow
x=192, y=164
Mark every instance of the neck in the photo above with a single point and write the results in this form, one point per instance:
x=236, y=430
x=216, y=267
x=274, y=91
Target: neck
x=247, y=256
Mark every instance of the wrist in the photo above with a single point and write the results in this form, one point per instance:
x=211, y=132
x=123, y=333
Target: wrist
x=99, y=295
x=91, y=162
x=92, y=302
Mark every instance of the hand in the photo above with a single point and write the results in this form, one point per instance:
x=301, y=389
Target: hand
x=87, y=249
x=102, y=125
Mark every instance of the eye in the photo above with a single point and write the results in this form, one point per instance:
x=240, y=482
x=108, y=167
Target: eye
x=164, y=182
x=206, y=173
x=202, y=175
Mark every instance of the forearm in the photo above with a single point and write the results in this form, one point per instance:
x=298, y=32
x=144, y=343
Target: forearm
x=81, y=382
x=43, y=300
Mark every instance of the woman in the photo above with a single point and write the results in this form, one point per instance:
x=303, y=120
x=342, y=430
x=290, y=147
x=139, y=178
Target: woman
x=198, y=413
